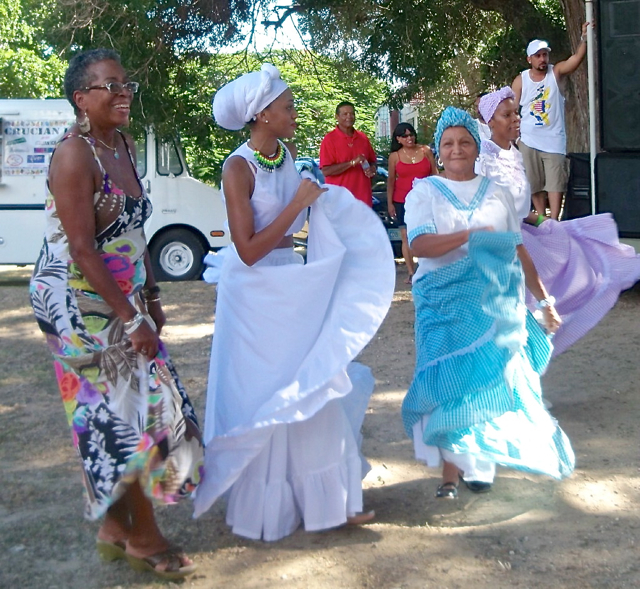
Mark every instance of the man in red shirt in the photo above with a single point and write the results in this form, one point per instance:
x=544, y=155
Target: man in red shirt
x=346, y=156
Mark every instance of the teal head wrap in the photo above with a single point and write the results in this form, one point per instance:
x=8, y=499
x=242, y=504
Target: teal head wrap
x=455, y=117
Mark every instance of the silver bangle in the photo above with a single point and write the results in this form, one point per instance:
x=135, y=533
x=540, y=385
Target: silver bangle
x=133, y=324
x=544, y=303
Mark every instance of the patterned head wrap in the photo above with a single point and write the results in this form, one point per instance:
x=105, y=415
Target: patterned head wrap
x=455, y=117
x=489, y=102
x=238, y=102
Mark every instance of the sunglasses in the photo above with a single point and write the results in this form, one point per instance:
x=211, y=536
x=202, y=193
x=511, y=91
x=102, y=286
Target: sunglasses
x=116, y=87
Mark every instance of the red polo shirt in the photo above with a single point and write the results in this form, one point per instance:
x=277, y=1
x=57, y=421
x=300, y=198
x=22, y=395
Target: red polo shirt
x=336, y=148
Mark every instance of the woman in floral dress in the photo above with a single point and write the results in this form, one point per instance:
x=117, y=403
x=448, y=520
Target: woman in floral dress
x=97, y=303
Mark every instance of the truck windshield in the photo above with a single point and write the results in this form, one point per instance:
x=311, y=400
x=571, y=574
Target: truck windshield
x=168, y=159
x=141, y=155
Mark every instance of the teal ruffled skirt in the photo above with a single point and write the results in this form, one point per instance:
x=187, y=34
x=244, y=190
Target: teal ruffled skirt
x=479, y=355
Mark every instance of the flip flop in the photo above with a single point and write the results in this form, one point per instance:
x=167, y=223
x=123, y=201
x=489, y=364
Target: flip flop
x=150, y=564
x=110, y=551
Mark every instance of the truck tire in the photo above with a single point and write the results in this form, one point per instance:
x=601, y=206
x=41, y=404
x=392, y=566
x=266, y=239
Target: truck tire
x=177, y=254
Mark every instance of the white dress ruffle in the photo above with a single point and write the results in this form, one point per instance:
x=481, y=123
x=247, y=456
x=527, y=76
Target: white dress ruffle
x=285, y=402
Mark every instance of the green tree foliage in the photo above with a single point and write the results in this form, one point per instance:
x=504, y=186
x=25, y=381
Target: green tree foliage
x=170, y=48
x=418, y=42
x=27, y=67
x=155, y=38
x=429, y=45
x=318, y=84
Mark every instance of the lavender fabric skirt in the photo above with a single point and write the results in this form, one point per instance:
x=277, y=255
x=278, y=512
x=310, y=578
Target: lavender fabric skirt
x=584, y=266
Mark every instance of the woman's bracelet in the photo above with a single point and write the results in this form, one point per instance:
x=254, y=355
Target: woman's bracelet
x=539, y=221
x=133, y=324
x=155, y=300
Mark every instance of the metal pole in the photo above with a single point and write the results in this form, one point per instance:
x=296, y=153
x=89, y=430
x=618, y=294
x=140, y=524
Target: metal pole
x=592, y=101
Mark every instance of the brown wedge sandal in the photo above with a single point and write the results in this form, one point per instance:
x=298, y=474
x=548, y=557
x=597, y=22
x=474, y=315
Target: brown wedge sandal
x=110, y=551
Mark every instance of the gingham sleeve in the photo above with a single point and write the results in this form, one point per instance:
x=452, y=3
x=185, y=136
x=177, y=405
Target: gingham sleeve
x=418, y=212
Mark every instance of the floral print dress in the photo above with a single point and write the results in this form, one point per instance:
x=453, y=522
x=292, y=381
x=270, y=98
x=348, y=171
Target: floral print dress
x=130, y=418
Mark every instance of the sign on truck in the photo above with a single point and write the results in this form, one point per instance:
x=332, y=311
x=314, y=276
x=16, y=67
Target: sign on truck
x=188, y=219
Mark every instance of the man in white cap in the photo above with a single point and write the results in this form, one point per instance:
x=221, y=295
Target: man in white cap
x=539, y=91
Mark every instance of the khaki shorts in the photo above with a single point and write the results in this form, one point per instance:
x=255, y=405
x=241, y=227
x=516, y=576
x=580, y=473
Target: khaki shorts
x=545, y=171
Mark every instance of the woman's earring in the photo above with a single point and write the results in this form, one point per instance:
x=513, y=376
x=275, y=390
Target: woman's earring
x=85, y=124
x=440, y=163
x=267, y=122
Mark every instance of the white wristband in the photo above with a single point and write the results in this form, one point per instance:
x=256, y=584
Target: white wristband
x=544, y=303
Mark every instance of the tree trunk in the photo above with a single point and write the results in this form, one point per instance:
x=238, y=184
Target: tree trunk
x=577, y=90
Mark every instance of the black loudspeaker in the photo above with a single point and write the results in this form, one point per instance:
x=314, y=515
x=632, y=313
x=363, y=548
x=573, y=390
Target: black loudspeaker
x=577, y=201
x=618, y=186
x=619, y=35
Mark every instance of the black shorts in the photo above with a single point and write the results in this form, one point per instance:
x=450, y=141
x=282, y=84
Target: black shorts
x=399, y=206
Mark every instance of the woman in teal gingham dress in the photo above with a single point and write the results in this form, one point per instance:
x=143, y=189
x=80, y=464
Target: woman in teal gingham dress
x=475, y=400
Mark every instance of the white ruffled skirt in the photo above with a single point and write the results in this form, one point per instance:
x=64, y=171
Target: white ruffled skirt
x=285, y=402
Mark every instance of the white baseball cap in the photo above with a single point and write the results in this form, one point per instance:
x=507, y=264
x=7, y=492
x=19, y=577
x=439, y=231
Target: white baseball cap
x=535, y=46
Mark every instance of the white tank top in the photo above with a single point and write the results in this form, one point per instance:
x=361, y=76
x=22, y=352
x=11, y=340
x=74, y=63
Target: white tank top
x=273, y=191
x=542, y=125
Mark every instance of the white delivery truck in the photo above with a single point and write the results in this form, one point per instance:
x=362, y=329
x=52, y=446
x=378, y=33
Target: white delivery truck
x=188, y=219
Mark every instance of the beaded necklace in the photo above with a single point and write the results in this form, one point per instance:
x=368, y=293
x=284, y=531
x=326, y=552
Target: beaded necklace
x=270, y=163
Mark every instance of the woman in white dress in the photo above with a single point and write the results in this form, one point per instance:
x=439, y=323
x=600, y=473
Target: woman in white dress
x=581, y=261
x=475, y=400
x=285, y=402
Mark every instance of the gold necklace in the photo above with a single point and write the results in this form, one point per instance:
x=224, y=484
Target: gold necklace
x=116, y=155
x=351, y=139
x=411, y=157
x=255, y=149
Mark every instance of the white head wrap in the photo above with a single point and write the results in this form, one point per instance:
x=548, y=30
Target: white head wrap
x=490, y=102
x=237, y=102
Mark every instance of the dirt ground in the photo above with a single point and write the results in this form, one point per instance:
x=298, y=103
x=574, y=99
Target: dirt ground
x=530, y=532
